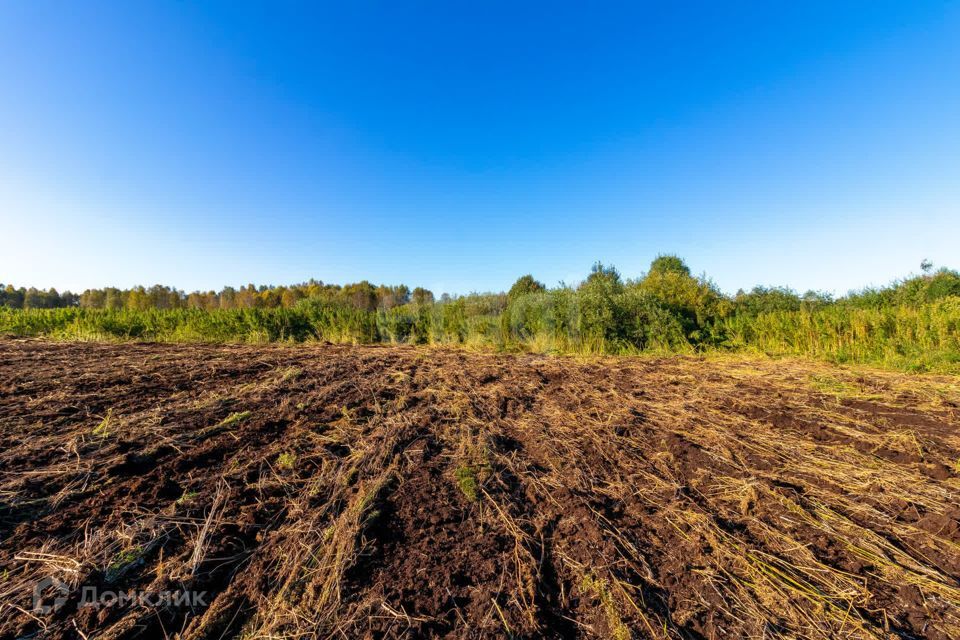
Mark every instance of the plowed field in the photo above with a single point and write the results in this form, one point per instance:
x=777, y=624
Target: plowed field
x=398, y=492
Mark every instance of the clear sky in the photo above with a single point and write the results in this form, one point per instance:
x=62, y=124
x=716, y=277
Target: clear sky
x=457, y=145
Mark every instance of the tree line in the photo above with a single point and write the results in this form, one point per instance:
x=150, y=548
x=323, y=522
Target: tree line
x=668, y=280
x=912, y=324
x=362, y=295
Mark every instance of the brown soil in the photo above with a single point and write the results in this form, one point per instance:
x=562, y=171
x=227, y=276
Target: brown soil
x=387, y=492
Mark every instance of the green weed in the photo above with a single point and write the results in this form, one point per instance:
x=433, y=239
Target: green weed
x=287, y=461
x=103, y=429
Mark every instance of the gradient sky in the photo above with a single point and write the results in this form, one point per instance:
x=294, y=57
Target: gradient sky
x=458, y=145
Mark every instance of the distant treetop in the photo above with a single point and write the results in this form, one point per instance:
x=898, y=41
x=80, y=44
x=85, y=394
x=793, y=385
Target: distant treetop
x=667, y=263
x=524, y=285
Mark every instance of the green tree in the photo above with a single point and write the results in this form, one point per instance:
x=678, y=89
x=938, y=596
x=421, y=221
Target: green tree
x=93, y=299
x=422, y=296
x=114, y=298
x=361, y=295
x=667, y=263
x=603, y=279
x=33, y=299
x=696, y=300
x=523, y=286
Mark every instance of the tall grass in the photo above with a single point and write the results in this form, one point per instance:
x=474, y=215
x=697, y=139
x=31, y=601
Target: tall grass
x=923, y=337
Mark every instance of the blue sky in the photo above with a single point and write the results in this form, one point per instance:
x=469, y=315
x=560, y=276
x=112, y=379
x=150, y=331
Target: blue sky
x=458, y=145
